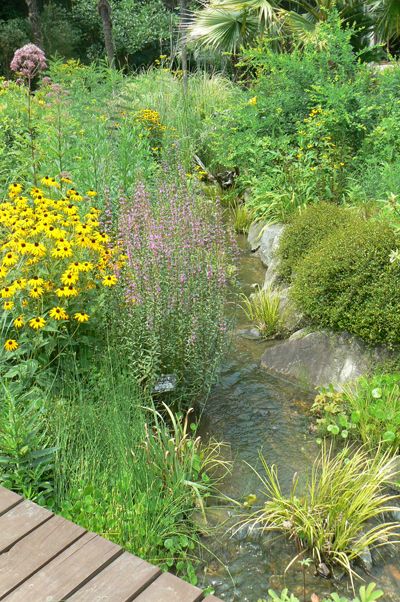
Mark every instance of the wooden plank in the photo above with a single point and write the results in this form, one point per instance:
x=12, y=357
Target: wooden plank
x=8, y=499
x=34, y=551
x=121, y=581
x=19, y=521
x=168, y=588
x=68, y=571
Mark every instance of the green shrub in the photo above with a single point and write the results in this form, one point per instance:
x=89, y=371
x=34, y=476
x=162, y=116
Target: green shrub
x=307, y=229
x=347, y=282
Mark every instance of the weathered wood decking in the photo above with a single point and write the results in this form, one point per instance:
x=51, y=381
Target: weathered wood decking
x=46, y=558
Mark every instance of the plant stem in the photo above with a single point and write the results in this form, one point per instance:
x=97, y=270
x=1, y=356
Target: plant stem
x=31, y=135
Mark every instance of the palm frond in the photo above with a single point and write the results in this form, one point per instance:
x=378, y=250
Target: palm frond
x=222, y=29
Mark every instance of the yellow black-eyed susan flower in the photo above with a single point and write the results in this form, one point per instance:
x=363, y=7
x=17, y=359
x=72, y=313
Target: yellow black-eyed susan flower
x=11, y=345
x=109, y=280
x=37, y=323
x=81, y=317
x=19, y=322
x=58, y=313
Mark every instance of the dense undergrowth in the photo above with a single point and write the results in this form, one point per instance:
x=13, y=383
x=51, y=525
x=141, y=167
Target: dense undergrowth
x=114, y=274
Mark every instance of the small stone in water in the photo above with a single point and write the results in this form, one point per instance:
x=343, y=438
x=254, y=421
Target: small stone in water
x=323, y=570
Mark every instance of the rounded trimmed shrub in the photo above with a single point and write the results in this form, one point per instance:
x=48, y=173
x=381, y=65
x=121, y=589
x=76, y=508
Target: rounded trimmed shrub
x=347, y=282
x=306, y=230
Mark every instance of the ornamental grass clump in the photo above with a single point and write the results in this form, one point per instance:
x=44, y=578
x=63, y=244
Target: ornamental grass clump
x=338, y=514
x=55, y=265
x=263, y=308
x=174, y=284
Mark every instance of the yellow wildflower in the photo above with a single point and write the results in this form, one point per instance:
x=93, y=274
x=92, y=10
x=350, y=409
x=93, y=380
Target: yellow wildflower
x=11, y=345
x=18, y=322
x=81, y=317
x=36, y=292
x=37, y=323
x=109, y=280
x=58, y=313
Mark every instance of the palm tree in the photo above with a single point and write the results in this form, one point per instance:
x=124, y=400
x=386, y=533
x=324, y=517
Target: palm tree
x=386, y=14
x=227, y=25
x=354, y=13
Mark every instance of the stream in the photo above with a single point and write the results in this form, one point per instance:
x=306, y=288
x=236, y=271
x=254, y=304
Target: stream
x=255, y=412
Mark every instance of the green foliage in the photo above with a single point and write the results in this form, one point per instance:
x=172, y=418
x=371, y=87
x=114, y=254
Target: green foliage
x=26, y=457
x=293, y=137
x=136, y=26
x=344, y=492
x=61, y=36
x=347, y=282
x=368, y=410
x=138, y=482
x=366, y=593
x=14, y=33
x=307, y=229
x=189, y=118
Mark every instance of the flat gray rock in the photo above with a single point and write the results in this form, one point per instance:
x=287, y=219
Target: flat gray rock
x=318, y=359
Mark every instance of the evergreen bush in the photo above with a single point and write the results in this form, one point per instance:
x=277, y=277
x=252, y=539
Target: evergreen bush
x=347, y=282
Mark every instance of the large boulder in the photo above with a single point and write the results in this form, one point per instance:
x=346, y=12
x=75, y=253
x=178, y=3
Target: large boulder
x=269, y=243
x=318, y=359
x=254, y=235
x=292, y=318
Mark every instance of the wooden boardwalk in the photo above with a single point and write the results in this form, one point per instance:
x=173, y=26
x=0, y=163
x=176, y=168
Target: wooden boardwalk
x=46, y=558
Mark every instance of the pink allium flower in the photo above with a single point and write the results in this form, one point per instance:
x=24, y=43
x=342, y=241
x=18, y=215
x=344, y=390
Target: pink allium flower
x=28, y=61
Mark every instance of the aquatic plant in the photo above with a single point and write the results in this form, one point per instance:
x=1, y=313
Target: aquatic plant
x=241, y=217
x=134, y=475
x=263, y=308
x=368, y=409
x=332, y=517
x=366, y=593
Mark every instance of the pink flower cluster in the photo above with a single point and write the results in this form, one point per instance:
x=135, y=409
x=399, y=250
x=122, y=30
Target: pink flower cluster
x=175, y=281
x=28, y=61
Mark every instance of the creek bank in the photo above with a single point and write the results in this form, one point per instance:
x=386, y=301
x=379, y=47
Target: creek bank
x=316, y=358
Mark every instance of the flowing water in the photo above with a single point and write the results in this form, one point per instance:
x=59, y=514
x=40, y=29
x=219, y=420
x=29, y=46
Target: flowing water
x=253, y=411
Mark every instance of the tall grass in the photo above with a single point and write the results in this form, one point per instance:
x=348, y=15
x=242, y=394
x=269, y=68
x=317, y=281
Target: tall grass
x=338, y=515
x=129, y=472
x=187, y=116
